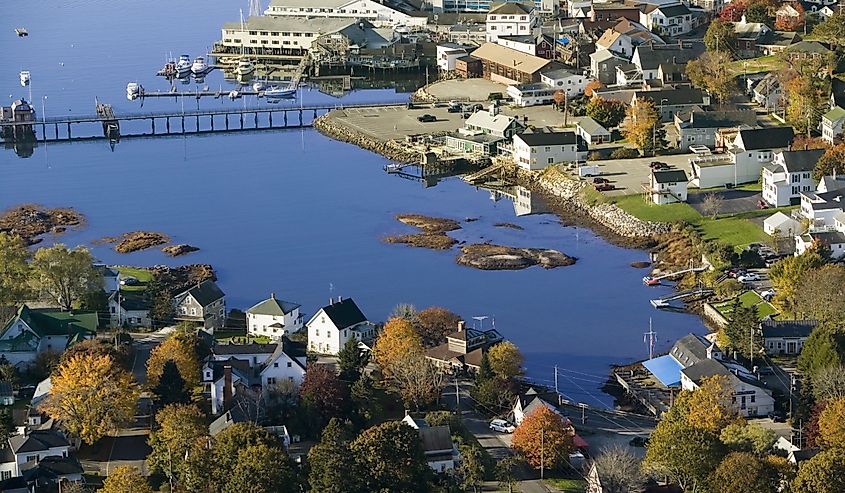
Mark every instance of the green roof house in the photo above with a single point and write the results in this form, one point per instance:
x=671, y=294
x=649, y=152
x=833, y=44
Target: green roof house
x=832, y=123
x=273, y=318
x=31, y=331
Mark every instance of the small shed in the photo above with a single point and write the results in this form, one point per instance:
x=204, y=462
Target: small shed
x=781, y=224
x=591, y=131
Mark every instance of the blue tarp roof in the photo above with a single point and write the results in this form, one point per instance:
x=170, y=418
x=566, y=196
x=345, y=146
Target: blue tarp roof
x=666, y=369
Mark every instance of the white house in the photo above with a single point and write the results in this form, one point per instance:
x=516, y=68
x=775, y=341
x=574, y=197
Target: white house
x=671, y=20
x=781, y=225
x=789, y=174
x=273, y=318
x=379, y=13
x=510, y=19
x=534, y=94
x=821, y=208
x=285, y=364
x=33, y=446
x=111, y=277
x=625, y=36
x=571, y=83
x=744, y=158
x=832, y=122
x=127, y=309
x=203, y=304
x=335, y=324
x=31, y=331
x=538, y=150
x=668, y=186
x=440, y=451
x=786, y=336
x=529, y=402
x=834, y=240
x=591, y=131
x=448, y=54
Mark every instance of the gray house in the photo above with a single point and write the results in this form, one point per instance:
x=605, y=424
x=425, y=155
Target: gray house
x=603, y=65
x=670, y=102
x=203, y=304
x=786, y=336
x=698, y=127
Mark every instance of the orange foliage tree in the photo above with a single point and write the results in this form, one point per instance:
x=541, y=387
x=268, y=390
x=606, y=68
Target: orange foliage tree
x=544, y=438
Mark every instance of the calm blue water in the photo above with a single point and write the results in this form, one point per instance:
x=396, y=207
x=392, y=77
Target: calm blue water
x=298, y=214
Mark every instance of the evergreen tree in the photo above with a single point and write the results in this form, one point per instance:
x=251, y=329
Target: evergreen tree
x=485, y=372
x=331, y=462
x=351, y=360
x=171, y=386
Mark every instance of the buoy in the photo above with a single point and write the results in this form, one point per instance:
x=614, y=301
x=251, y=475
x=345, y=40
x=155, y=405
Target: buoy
x=62, y=64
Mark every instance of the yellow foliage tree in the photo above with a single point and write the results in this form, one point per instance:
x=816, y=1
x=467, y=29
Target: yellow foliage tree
x=832, y=424
x=125, y=479
x=92, y=396
x=398, y=340
x=710, y=407
x=543, y=438
x=505, y=360
x=180, y=350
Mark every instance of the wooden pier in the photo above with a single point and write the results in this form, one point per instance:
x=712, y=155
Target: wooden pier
x=58, y=129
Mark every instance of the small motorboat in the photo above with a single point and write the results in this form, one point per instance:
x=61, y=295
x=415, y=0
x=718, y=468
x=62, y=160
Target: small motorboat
x=25, y=76
x=281, y=92
x=258, y=86
x=133, y=91
x=233, y=95
x=245, y=67
x=21, y=32
x=199, y=67
x=169, y=70
x=650, y=281
x=183, y=66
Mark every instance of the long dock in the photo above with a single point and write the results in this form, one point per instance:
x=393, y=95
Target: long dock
x=69, y=128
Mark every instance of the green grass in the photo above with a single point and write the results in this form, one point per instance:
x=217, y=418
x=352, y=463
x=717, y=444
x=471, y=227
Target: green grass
x=747, y=299
x=143, y=275
x=241, y=339
x=768, y=63
x=568, y=485
x=733, y=230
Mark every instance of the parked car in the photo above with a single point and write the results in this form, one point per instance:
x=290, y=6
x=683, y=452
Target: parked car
x=657, y=165
x=604, y=187
x=130, y=281
x=750, y=276
x=761, y=204
x=427, y=118
x=768, y=294
x=473, y=107
x=765, y=370
x=502, y=426
x=638, y=442
x=454, y=109
x=734, y=273
x=600, y=180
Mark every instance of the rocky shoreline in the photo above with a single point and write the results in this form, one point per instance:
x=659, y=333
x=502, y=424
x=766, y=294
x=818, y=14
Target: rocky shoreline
x=432, y=232
x=486, y=256
x=31, y=221
x=395, y=151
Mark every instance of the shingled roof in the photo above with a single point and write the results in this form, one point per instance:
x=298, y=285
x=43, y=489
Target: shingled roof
x=205, y=293
x=344, y=313
x=787, y=328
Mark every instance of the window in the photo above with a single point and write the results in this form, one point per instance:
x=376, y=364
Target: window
x=6, y=475
x=271, y=381
x=289, y=364
x=275, y=365
x=183, y=310
x=193, y=311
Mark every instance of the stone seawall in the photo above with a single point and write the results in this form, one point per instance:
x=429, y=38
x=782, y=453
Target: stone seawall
x=568, y=191
x=395, y=151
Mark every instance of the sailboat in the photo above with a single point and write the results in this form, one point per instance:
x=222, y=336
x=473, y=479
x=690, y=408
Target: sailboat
x=245, y=67
x=281, y=92
x=25, y=76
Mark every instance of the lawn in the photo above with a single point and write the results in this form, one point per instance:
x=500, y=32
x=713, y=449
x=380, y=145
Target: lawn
x=568, y=485
x=768, y=63
x=733, y=230
x=143, y=275
x=747, y=299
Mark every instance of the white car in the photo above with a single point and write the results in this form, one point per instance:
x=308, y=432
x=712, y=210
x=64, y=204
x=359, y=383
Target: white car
x=501, y=426
x=748, y=277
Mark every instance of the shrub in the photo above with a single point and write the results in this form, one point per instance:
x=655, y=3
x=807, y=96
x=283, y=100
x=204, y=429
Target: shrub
x=624, y=153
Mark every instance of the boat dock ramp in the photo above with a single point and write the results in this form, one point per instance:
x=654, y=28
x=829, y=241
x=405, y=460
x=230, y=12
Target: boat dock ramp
x=663, y=302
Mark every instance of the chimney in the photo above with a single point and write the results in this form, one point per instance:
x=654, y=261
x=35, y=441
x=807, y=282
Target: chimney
x=331, y=301
x=227, y=386
x=461, y=325
x=339, y=299
x=272, y=296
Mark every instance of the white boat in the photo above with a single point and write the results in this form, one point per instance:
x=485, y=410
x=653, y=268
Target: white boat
x=133, y=90
x=233, y=95
x=199, y=67
x=245, y=67
x=25, y=76
x=281, y=92
x=258, y=86
x=183, y=66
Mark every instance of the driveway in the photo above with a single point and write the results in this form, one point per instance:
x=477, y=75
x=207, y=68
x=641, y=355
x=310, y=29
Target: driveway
x=733, y=201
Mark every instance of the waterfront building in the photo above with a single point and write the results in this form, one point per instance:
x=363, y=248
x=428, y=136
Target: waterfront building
x=509, y=66
x=789, y=174
x=463, y=349
x=511, y=19
x=699, y=127
x=538, y=150
x=335, y=324
x=743, y=159
x=668, y=186
x=540, y=45
x=203, y=304
x=786, y=336
x=273, y=318
x=448, y=54
x=469, y=67
x=376, y=12
x=693, y=359
x=474, y=143
x=31, y=331
x=545, y=7
x=493, y=123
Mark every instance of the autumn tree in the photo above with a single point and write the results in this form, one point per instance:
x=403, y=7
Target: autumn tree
x=591, y=88
x=125, y=479
x=832, y=161
x=404, y=310
x=505, y=472
x=323, y=393
x=178, y=427
x=832, y=29
x=758, y=12
x=434, y=323
x=832, y=425
x=100, y=347
x=711, y=72
x=606, y=112
x=801, y=142
x=392, y=456
x=786, y=276
x=824, y=473
x=712, y=204
x=65, y=275
x=14, y=272
x=807, y=87
x=710, y=406
x=181, y=350
x=685, y=454
x=92, y=396
x=742, y=436
x=332, y=466
x=784, y=23
x=471, y=470
x=644, y=128
x=619, y=470
x=261, y=468
x=821, y=294
x=742, y=471
x=544, y=439
x=418, y=381
x=505, y=360
x=720, y=35
x=397, y=340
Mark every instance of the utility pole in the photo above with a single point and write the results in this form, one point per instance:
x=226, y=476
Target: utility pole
x=556, y=391
x=542, y=451
x=751, y=348
x=457, y=396
x=648, y=338
x=583, y=413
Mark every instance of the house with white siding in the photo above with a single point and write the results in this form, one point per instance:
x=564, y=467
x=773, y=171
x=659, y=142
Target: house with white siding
x=273, y=318
x=538, y=150
x=668, y=186
x=510, y=19
x=32, y=447
x=31, y=331
x=669, y=20
x=335, y=324
x=832, y=123
x=379, y=13
x=789, y=174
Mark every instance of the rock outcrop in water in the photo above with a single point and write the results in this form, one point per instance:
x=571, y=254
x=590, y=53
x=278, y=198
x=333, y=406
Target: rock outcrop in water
x=138, y=240
x=177, y=250
x=30, y=221
x=433, y=232
x=496, y=257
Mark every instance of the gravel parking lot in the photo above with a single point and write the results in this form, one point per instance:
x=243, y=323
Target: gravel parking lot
x=628, y=175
